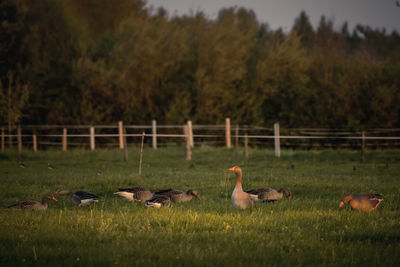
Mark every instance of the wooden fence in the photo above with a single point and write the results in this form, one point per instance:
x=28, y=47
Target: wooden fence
x=40, y=137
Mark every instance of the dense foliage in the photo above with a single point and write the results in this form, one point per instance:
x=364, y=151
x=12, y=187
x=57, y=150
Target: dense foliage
x=89, y=62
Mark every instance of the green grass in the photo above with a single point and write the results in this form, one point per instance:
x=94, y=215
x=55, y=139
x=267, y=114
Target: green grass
x=309, y=230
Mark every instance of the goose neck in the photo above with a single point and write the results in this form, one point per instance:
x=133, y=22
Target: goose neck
x=239, y=179
x=44, y=201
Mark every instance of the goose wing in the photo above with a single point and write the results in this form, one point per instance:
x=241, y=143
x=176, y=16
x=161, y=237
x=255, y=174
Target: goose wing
x=25, y=204
x=258, y=191
x=82, y=194
x=377, y=197
x=269, y=194
x=169, y=192
x=264, y=191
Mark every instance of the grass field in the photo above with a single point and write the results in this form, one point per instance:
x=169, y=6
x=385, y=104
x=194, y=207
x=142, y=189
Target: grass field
x=309, y=230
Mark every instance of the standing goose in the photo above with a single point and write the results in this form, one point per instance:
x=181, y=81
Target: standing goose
x=158, y=201
x=240, y=199
x=178, y=195
x=136, y=193
x=79, y=198
x=32, y=204
x=364, y=202
x=267, y=194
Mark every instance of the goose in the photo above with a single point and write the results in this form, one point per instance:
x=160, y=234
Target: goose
x=33, y=205
x=240, y=199
x=178, y=195
x=49, y=166
x=158, y=201
x=80, y=197
x=21, y=165
x=136, y=193
x=267, y=194
x=364, y=202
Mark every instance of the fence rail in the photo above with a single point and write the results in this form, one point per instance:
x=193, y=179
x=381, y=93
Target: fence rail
x=42, y=136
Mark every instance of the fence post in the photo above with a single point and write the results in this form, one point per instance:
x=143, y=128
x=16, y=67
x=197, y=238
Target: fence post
x=10, y=137
x=236, y=141
x=362, y=146
x=34, y=142
x=189, y=123
x=92, y=144
x=19, y=132
x=141, y=154
x=125, y=146
x=228, y=132
x=277, y=140
x=154, y=131
x=3, y=143
x=187, y=142
x=121, y=137
x=246, y=145
x=64, y=140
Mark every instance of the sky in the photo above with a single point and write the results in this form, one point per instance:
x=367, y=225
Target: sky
x=378, y=14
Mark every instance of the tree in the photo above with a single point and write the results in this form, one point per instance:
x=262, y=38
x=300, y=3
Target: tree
x=103, y=16
x=13, y=100
x=221, y=74
x=304, y=30
x=283, y=80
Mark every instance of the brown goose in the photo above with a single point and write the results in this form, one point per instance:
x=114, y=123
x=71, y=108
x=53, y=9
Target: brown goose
x=136, y=193
x=158, y=201
x=240, y=199
x=267, y=194
x=32, y=204
x=80, y=197
x=364, y=202
x=178, y=195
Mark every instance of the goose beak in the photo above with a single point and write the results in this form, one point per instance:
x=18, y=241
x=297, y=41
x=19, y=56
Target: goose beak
x=53, y=198
x=231, y=169
x=289, y=197
x=341, y=204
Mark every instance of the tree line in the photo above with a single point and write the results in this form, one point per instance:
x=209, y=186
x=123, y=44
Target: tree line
x=96, y=62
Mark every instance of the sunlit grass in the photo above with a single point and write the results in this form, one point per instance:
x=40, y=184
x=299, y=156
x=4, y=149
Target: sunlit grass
x=308, y=230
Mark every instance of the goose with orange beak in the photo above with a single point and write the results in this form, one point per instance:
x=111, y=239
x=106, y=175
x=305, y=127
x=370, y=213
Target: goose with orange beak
x=363, y=202
x=240, y=199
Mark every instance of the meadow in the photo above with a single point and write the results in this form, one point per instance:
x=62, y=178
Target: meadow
x=309, y=230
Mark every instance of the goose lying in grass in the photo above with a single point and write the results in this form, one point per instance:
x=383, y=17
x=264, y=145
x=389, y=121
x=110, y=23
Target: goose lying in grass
x=49, y=166
x=158, y=201
x=364, y=202
x=267, y=194
x=32, y=204
x=178, y=195
x=240, y=199
x=80, y=197
x=136, y=193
